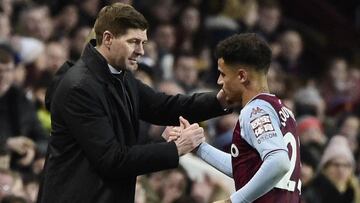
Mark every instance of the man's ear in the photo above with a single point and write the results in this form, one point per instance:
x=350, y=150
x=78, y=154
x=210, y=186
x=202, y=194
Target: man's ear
x=242, y=75
x=107, y=39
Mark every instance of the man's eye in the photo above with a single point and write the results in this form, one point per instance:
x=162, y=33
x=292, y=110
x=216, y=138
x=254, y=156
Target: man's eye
x=133, y=41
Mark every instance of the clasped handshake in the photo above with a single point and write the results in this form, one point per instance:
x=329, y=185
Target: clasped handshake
x=186, y=136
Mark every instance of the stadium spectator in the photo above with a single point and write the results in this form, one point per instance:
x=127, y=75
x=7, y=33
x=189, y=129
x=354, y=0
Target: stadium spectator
x=186, y=71
x=335, y=181
x=19, y=125
x=269, y=21
x=337, y=89
x=35, y=22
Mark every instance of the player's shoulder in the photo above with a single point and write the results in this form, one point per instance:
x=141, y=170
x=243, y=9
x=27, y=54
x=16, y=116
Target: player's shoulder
x=256, y=108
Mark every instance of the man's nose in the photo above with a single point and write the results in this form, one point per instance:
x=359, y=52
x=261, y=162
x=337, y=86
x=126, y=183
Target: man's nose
x=140, y=49
x=219, y=81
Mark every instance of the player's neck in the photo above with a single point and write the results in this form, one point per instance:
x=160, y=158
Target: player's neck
x=253, y=90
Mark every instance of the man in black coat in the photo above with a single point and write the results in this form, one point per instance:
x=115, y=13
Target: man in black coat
x=96, y=104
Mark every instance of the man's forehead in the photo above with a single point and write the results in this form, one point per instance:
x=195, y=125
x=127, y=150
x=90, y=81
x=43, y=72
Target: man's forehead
x=136, y=33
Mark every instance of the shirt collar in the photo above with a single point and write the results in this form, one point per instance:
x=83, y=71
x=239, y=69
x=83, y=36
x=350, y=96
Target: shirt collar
x=113, y=70
x=268, y=94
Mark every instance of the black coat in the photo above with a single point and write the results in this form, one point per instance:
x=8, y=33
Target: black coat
x=93, y=153
x=321, y=190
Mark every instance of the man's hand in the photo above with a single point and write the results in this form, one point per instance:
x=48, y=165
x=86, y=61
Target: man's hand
x=19, y=144
x=28, y=157
x=186, y=136
x=183, y=123
x=191, y=137
x=223, y=201
x=171, y=133
x=23, y=146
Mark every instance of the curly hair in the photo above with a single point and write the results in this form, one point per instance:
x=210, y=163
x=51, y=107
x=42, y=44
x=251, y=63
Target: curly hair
x=245, y=49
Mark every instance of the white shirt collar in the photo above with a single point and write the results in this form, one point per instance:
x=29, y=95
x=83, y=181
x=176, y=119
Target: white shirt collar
x=113, y=70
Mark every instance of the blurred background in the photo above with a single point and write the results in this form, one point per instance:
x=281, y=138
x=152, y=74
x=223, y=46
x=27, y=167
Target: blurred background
x=315, y=70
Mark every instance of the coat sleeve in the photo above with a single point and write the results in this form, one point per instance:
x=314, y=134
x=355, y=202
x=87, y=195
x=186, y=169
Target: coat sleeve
x=91, y=128
x=161, y=109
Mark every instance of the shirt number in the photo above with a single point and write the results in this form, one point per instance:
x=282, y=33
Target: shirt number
x=285, y=183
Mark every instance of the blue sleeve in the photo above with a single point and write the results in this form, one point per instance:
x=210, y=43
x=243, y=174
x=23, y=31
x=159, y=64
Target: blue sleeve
x=260, y=127
x=218, y=159
x=274, y=167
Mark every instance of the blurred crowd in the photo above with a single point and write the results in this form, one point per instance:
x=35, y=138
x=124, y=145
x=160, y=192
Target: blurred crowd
x=315, y=70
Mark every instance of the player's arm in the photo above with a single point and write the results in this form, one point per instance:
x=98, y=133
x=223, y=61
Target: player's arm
x=272, y=149
x=271, y=171
x=216, y=158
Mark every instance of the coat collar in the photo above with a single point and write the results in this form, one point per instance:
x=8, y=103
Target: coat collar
x=96, y=63
x=113, y=70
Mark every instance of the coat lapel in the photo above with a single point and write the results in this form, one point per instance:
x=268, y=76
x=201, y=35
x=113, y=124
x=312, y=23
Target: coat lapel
x=119, y=101
x=130, y=84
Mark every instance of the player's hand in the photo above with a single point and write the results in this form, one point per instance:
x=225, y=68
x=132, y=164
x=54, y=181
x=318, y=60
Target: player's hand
x=223, y=201
x=191, y=137
x=183, y=123
x=171, y=133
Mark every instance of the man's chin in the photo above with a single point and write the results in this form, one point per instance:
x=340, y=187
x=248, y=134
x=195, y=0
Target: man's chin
x=132, y=67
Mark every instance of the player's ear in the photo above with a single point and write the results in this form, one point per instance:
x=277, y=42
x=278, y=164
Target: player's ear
x=242, y=75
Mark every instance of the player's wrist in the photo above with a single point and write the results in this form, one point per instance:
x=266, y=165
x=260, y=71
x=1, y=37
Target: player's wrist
x=179, y=148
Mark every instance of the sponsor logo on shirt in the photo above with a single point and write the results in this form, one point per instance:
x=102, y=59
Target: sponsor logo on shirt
x=262, y=125
x=234, y=151
x=265, y=137
x=256, y=111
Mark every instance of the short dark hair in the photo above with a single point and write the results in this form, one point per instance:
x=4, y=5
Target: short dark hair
x=246, y=49
x=118, y=18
